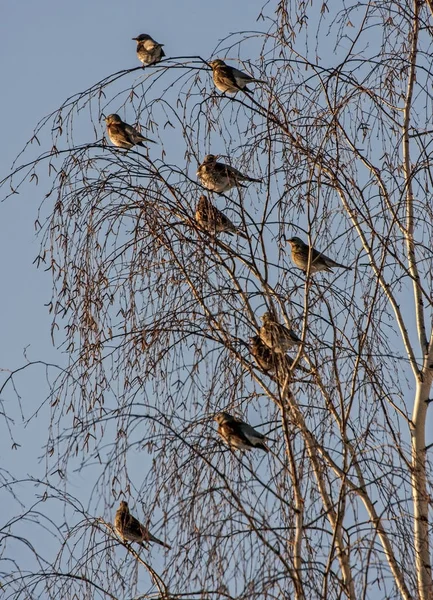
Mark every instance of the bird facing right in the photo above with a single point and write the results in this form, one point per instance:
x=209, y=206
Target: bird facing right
x=213, y=220
x=238, y=434
x=319, y=262
x=229, y=79
x=123, y=135
x=131, y=530
x=277, y=336
x=149, y=51
x=220, y=177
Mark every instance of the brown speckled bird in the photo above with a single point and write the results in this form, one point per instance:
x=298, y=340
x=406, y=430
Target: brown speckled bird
x=269, y=361
x=123, y=135
x=319, y=262
x=277, y=336
x=149, y=52
x=230, y=80
x=238, y=434
x=131, y=530
x=213, y=220
x=220, y=177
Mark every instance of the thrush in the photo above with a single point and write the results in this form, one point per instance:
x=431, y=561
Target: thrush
x=277, y=336
x=131, y=530
x=220, y=177
x=213, y=220
x=123, y=135
x=238, y=434
x=263, y=355
x=319, y=262
x=230, y=80
x=269, y=361
x=148, y=51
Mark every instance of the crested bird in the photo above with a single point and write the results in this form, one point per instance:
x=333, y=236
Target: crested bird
x=238, y=434
x=319, y=262
x=229, y=79
x=220, y=177
x=131, y=530
x=213, y=220
x=123, y=135
x=149, y=51
x=277, y=336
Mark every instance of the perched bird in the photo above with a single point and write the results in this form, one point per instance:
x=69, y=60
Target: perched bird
x=319, y=262
x=277, y=336
x=220, y=177
x=269, y=361
x=230, y=80
x=123, y=135
x=131, y=530
x=148, y=51
x=263, y=355
x=238, y=434
x=213, y=220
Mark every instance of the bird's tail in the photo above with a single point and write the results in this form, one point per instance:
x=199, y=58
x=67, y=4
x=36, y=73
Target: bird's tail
x=152, y=538
x=262, y=446
x=241, y=234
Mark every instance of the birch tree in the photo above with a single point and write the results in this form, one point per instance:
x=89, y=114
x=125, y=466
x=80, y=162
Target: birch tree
x=156, y=315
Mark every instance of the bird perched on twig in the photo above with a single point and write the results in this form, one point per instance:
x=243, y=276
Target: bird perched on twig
x=220, y=177
x=265, y=358
x=238, y=434
x=319, y=262
x=123, y=135
x=148, y=51
x=230, y=80
x=130, y=529
x=213, y=220
x=270, y=361
x=277, y=336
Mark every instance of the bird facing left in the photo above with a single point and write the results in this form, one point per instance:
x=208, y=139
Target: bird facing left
x=123, y=135
x=130, y=529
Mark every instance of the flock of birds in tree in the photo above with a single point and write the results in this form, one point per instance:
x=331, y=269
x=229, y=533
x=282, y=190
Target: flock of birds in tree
x=275, y=339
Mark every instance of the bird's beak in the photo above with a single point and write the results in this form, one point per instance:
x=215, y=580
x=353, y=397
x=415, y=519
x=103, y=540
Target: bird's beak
x=135, y=39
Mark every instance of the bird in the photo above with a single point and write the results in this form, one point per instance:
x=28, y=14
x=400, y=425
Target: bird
x=213, y=220
x=268, y=360
x=131, y=530
x=230, y=80
x=319, y=262
x=219, y=177
x=123, y=135
x=262, y=354
x=149, y=52
x=277, y=336
x=238, y=434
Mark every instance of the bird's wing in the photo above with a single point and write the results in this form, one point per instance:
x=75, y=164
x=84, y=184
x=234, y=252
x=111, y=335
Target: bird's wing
x=250, y=433
x=332, y=263
x=229, y=74
x=234, y=428
x=135, y=136
x=224, y=221
x=241, y=75
x=229, y=171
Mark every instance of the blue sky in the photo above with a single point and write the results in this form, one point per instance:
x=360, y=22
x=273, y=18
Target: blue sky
x=50, y=51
